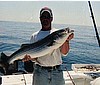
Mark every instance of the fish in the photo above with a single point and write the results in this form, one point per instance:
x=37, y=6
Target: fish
x=41, y=47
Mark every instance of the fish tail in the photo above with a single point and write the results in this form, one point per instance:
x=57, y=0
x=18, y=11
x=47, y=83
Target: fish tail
x=4, y=59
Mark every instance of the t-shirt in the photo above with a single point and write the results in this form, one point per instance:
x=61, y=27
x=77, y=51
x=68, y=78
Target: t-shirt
x=51, y=59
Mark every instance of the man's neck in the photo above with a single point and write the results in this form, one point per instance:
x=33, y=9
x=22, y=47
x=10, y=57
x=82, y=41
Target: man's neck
x=46, y=29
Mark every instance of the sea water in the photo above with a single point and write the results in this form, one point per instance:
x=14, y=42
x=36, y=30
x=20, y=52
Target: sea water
x=84, y=48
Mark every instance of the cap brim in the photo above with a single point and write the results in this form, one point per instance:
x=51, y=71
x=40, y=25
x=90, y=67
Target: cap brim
x=46, y=11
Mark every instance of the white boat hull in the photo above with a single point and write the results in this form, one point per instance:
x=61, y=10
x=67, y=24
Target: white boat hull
x=26, y=79
x=78, y=78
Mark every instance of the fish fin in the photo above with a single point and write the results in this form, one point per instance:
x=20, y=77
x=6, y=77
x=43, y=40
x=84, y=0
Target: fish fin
x=51, y=43
x=51, y=53
x=23, y=45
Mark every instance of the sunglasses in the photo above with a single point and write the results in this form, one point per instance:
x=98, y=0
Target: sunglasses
x=45, y=17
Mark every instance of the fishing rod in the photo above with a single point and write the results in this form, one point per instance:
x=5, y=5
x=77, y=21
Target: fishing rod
x=70, y=76
x=97, y=35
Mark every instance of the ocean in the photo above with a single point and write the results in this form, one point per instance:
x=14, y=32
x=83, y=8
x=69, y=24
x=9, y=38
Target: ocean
x=84, y=48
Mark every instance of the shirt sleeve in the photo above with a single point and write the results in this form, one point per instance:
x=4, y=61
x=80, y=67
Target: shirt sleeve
x=32, y=40
x=64, y=54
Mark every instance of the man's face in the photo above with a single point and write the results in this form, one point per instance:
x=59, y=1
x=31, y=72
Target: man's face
x=46, y=20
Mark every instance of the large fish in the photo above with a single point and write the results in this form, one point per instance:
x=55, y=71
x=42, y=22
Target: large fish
x=42, y=47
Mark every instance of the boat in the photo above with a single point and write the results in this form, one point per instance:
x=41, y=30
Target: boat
x=81, y=74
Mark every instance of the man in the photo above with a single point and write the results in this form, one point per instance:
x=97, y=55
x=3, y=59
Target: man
x=47, y=68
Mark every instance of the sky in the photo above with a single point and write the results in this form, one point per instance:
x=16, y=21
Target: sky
x=64, y=12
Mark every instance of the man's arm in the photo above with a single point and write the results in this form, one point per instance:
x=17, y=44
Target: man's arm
x=65, y=47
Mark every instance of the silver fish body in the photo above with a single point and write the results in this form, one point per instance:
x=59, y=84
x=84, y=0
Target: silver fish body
x=43, y=46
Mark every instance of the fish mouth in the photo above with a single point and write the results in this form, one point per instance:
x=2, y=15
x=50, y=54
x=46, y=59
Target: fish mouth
x=67, y=30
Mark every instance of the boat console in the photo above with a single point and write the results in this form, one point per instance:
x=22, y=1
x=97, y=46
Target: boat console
x=92, y=70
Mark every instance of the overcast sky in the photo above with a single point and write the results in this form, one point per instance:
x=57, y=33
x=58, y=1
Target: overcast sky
x=65, y=12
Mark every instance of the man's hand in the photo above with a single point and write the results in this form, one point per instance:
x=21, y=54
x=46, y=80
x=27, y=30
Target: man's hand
x=70, y=37
x=27, y=58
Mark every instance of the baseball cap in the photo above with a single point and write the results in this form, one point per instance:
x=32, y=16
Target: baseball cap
x=46, y=9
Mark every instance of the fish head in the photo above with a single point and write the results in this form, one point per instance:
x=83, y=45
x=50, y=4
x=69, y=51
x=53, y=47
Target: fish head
x=62, y=35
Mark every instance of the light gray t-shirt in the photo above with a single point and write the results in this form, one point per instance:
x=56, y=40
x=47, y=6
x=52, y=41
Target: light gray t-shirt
x=50, y=59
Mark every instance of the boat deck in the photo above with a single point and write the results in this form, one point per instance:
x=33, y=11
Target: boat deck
x=81, y=75
x=26, y=79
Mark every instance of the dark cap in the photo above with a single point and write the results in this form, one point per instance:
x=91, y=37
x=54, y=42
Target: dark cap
x=46, y=9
